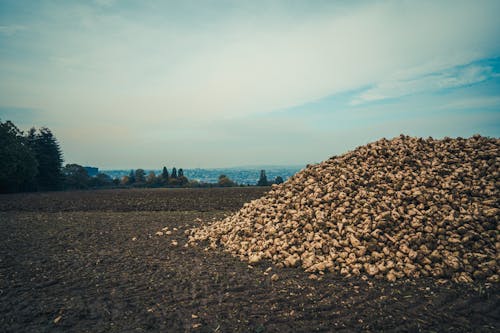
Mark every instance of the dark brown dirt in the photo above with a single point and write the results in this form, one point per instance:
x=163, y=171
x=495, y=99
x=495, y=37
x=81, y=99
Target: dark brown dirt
x=69, y=262
x=126, y=200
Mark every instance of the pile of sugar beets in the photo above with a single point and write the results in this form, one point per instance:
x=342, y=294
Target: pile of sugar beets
x=406, y=207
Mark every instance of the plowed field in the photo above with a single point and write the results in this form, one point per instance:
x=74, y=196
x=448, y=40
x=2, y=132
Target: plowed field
x=91, y=261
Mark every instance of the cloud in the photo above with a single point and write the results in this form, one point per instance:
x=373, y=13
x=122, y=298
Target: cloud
x=196, y=61
x=291, y=63
x=431, y=82
x=160, y=71
x=479, y=102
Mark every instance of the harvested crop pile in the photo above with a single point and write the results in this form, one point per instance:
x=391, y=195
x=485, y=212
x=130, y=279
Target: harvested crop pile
x=406, y=207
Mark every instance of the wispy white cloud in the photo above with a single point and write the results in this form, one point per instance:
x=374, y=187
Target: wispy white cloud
x=173, y=67
x=429, y=82
x=250, y=60
x=479, y=102
x=289, y=64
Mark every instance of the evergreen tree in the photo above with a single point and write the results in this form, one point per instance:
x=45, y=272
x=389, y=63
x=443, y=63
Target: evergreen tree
x=164, y=174
x=174, y=173
x=18, y=165
x=31, y=137
x=49, y=156
x=180, y=173
x=263, y=179
x=278, y=180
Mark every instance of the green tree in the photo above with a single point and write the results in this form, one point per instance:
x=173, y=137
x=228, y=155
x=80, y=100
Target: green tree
x=131, y=178
x=183, y=180
x=177, y=178
x=75, y=177
x=101, y=180
x=49, y=156
x=31, y=137
x=152, y=179
x=140, y=176
x=164, y=175
x=193, y=183
x=262, y=179
x=225, y=181
x=18, y=165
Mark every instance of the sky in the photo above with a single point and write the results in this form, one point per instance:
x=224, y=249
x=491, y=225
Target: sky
x=142, y=84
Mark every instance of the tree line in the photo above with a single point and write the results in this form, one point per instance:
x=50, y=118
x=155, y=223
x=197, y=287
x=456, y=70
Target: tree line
x=33, y=161
x=29, y=161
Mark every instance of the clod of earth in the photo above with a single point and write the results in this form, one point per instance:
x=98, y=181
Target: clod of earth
x=406, y=207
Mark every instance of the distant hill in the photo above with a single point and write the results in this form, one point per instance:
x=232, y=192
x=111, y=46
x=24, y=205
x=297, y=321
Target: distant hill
x=241, y=175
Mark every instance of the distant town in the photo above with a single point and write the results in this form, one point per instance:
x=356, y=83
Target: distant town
x=240, y=175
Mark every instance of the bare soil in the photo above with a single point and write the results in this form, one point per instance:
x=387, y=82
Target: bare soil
x=126, y=200
x=91, y=261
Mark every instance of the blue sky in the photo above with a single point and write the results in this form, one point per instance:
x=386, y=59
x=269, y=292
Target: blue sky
x=129, y=84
